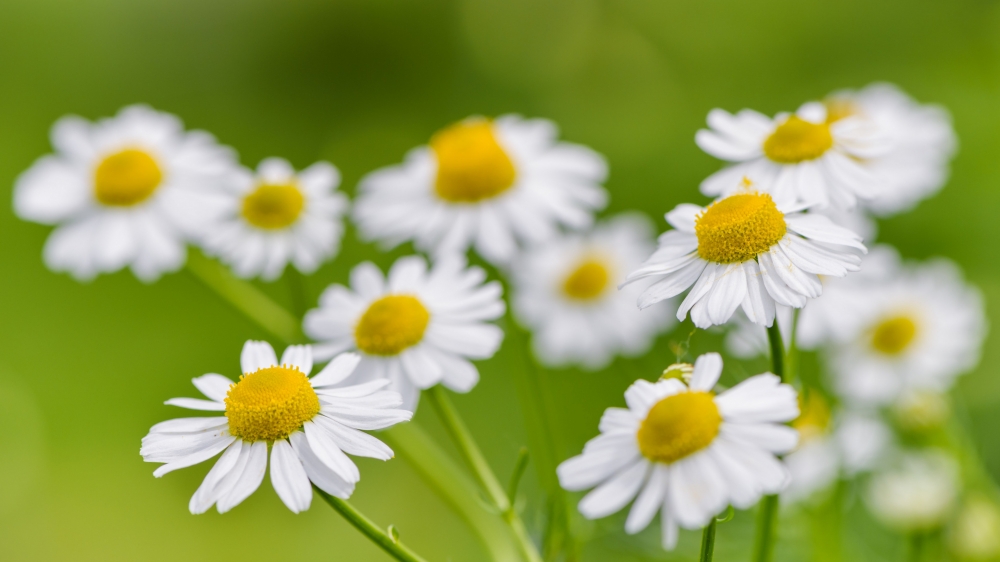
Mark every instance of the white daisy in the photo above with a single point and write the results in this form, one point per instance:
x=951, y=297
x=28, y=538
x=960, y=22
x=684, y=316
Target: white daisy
x=309, y=425
x=801, y=156
x=922, y=139
x=491, y=184
x=917, y=494
x=975, y=535
x=417, y=328
x=685, y=452
x=564, y=291
x=124, y=191
x=745, y=250
x=279, y=216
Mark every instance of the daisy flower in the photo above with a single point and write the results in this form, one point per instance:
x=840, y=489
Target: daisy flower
x=684, y=452
x=564, y=291
x=491, y=184
x=745, y=250
x=975, y=535
x=277, y=216
x=307, y=423
x=917, y=494
x=921, y=136
x=801, y=156
x=417, y=328
x=124, y=191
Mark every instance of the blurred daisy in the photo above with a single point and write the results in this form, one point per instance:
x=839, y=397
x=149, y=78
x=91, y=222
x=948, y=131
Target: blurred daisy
x=802, y=157
x=491, y=184
x=745, y=250
x=279, y=216
x=918, y=494
x=565, y=292
x=685, y=452
x=975, y=535
x=124, y=191
x=416, y=328
x=309, y=425
x=921, y=136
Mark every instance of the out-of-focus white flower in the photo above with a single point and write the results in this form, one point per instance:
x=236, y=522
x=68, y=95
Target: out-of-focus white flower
x=491, y=184
x=565, y=292
x=277, y=216
x=417, y=328
x=681, y=451
x=975, y=534
x=918, y=411
x=125, y=191
x=918, y=494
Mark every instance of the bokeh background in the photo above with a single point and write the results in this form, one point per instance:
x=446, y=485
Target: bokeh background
x=84, y=368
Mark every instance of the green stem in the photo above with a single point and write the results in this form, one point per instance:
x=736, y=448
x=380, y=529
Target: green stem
x=916, y=546
x=763, y=550
x=708, y=542
x=777, y=350
x=792, y=364
x=390, y=544
x=466, y=444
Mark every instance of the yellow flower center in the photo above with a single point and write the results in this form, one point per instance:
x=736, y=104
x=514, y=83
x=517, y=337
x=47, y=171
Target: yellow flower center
x=588, y=281
x=472, y=166
x=797, y=140
x=814, y=416
x=126, y=178
x=391, y=324
x=271, y=403
x=679, y=371
x=679, y=425
x=893, y=335
x=739, y=228
x=273, y=206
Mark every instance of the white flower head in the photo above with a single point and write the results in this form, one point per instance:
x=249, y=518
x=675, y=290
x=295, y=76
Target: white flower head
x=309, y=424
x=803, y=157
x=975, y=534
x=564, y=290
x=277, y=216
x=917, y=494
x=123, y=191
x=745, y=250
x=685, y=452
x=417, y=328
x=488, y=184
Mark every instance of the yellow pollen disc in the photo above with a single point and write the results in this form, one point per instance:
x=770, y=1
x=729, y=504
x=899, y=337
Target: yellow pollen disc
x=679, y=425
x=814, y=416
x=837, y=109
x=472, y=166
x=679, y=371
x=126, y=178
x=797, y=140
x=893, y=335
x=391, y=324
x=273, y=206
x=739, y=228
x=588, y=281
x=271, y=403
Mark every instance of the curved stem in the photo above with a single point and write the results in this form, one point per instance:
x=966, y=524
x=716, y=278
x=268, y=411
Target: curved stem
x=708, y=542
x=481, y=469
x=391, y=545
x=763, y=550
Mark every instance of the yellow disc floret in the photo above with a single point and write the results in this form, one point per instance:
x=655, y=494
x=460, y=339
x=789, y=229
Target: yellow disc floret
x=679, y=425
x=391, y=324
x=814, y=416
x=797, y=140
x=273, y=206
x=126, y=178
x=587, y=281
x=472, y=166
x=271, y=403
x=739, y=228
x=893, y=335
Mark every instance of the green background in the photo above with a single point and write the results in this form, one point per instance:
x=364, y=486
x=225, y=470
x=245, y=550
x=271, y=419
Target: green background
x=84, y=368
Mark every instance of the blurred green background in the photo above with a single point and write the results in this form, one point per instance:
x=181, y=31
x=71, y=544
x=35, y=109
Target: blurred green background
x=84, y=368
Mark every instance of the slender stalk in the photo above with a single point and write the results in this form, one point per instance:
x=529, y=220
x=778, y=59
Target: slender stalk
x=777, y=350
x=763, y=549
x=916, y=546
x=466, y=445
x=390, y=544
x=708, y=542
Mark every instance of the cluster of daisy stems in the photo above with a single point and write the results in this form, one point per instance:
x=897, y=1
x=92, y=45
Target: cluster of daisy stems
x=776, y=261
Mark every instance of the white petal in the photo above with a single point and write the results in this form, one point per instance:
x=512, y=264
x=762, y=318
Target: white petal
x=257, y=355
x=616, y=493
x=289, y=478
x=771, y=437
x=213, y=385
x=299, y=356
x=320, y=474
x=760, y=398
x=189, y=425
x=355, y=442
x=197, y=404
x=650, y=500
x=208, y=493
x=322, y=443
x=337, y=370
x=207, y=451
x=249, y=480
x=707, y=370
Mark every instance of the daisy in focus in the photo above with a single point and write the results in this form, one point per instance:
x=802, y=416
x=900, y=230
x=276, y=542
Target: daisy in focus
x=917, y=494
x=124, y=191
x=745, y=251
x=565, y=292
x=277, y=216
x=308, y=424
x=803, y=157
x=685, y=452
x=416, y=327
x=492, y=184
